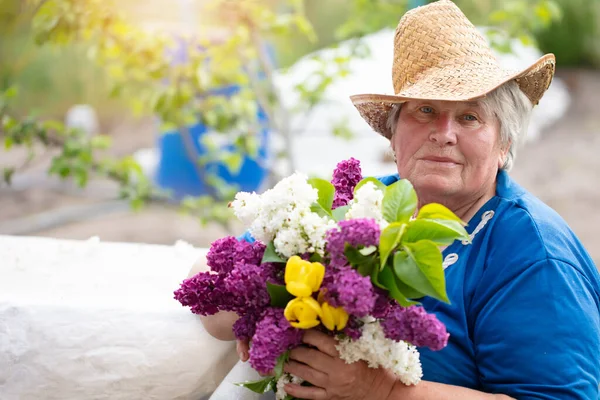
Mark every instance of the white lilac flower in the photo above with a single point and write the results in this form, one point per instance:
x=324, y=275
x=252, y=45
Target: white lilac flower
x=314, y=228
x=367, y=203
x=378, y=351
x=284, y=380
x=282, y=215
x=246, y=207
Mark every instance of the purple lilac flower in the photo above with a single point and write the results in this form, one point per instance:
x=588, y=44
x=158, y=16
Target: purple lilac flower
x=245, y=326
x=273, y=336
x=247, y=283
x=353, y=328
x=348, y=289
x=413, y=324
x=345, y=177
x=203, y=292
x=222, y=253
x=250, y=253
x=383, y=303
x=360, y=232
x=273, y=273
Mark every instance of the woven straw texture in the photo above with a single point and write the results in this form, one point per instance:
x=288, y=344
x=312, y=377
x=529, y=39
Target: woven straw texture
x=440, y=55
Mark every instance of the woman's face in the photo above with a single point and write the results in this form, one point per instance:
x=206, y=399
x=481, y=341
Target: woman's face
x=448, y=150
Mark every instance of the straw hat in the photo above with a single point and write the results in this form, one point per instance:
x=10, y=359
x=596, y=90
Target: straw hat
x=440, y=55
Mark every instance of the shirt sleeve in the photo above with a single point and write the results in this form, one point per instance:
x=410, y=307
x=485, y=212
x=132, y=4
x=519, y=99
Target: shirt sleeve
x=246, y=236
x=536, y=332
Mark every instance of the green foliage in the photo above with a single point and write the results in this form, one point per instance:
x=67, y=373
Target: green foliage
x=512, y=19
x=339, y=213
x=574, y=38
x=389, y=240
x=399, y=201
x=261, y=386
x=281, y=360
x=419, y=265
x=279, y=295
x=79, y=154
x=138, y=72
x=369, y=16
x=410, y=262
x=326, y=194
x=271, y=256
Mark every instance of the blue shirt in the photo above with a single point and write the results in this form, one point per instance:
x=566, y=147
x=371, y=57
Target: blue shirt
x=524, y=318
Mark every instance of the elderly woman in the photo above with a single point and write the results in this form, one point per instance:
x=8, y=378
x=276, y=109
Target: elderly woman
x=524, y=317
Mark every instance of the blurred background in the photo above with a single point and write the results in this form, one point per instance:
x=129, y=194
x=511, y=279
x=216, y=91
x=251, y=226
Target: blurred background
x=137, y=121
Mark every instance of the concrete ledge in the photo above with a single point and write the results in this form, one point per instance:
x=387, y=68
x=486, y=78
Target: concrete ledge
x=93, y=320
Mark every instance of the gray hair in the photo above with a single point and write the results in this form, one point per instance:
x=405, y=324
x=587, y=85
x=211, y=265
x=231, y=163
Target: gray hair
x=509, y=104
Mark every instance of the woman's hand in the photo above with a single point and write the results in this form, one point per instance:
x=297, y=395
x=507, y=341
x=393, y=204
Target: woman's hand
x=332, y=377
x=242, y=347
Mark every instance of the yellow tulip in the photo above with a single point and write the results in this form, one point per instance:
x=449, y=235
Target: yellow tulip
x=302, y=278
x=302, y=312
x=334, y=318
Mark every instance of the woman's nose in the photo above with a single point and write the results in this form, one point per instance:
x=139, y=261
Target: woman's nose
x=443, y=131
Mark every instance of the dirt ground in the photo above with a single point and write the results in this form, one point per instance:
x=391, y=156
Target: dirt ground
x=562, y=169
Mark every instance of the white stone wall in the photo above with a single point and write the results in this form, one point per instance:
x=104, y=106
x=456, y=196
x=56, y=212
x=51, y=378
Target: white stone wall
x=93, y=320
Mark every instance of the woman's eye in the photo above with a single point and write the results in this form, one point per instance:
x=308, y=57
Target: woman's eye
x=470, y=118
x=426, y=110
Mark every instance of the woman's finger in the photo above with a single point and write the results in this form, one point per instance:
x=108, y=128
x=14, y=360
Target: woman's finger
x=242, y=348
x=307, y=373
x=321, y=341
x=314, y=358
x=306, y=392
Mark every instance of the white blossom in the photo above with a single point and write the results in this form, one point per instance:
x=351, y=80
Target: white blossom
x=246, y=207
x=284, y=380
x=378, y=351
x=282, y=215
x=367, y=203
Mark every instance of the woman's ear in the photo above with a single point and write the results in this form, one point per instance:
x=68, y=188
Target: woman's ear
x=504, y=154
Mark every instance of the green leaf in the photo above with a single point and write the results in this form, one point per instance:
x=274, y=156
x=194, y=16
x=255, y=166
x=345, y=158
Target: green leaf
x=440, y=231
x=389, y=240
x=8, y=142
x=101, y=142
x=8, y=174
x=375, y=278
x=279, y=295
x=399, y=201
x=281, y=360
x=420, y=267
x=326, y=192
x=271, y=255
x=315, y=257
x=136, y=204
x=53, y=125
x=11, y=92
x=366, y=269
x=378, y=184
x=319, y=210
x=339, y=213
x=364, y=263
x=437, y=211
x=387, y=279
x=233, y=162
x=262, y=386
x=544, y=14
x=367, y=251
x=407, y=291
x=356, y=258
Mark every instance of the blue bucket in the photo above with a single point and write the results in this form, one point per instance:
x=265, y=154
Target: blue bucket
x=177, y=174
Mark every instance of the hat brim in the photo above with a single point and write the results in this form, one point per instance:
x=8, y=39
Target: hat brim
x=440, y=85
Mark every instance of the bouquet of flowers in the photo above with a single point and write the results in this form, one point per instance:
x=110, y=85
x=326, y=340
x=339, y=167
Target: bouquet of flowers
x=350, y=257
